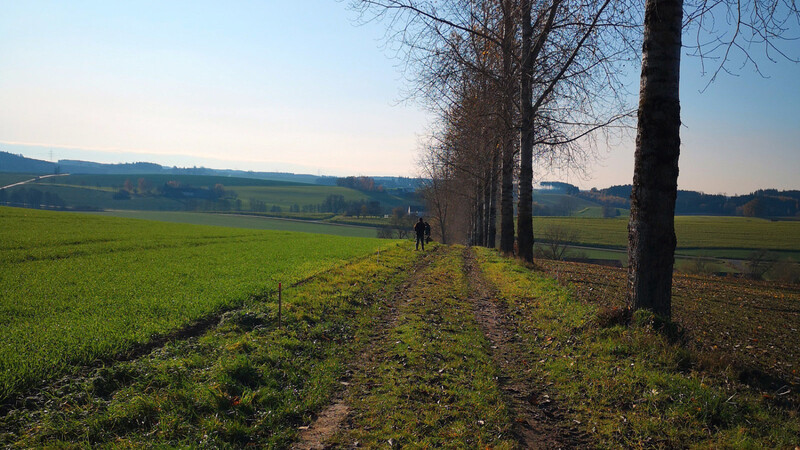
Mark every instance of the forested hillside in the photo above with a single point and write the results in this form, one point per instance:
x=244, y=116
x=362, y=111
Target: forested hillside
x=761, y=203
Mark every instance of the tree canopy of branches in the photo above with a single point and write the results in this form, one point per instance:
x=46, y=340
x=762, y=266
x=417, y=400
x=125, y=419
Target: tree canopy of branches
x=510, y=82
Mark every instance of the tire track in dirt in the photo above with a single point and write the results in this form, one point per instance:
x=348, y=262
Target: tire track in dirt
x=535, y=415
x=333, y=418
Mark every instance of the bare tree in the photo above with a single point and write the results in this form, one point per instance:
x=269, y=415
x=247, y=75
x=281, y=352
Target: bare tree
x=569, y=50
x=540, y=86
x=556, y=240
x=436, y=192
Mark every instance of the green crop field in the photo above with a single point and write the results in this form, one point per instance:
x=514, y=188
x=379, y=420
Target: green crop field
x=81, y=197
x=256, y=222
x=286, y=196
x=97, y=192
x=11, y=178
x=735, y=234
x=78, y=287
x=117, y=181
x=597, y=212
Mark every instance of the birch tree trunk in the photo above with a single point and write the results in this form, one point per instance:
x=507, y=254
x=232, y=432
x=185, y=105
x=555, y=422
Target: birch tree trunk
x=651, y=230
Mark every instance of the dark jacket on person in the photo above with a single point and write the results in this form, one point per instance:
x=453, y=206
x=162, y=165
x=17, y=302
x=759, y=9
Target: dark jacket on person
x=419, y=228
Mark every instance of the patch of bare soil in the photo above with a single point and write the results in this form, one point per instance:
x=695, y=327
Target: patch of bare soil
x=326, y=424
x=537, y=417
x=333, y=418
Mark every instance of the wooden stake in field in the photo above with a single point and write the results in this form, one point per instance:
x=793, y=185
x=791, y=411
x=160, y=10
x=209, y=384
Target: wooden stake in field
x=280, y=300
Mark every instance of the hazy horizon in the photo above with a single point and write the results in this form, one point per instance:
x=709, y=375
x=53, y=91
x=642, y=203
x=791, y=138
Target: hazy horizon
x=189, y=163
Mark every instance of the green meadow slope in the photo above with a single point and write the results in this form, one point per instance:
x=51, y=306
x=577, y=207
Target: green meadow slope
x=78, y=287
x=693, y=232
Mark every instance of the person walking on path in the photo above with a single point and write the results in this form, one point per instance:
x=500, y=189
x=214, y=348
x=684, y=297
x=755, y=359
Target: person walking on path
x=427, y=232
x=419, y=228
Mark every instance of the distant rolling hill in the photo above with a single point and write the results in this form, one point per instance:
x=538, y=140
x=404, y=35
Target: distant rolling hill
x=93, y=185
x=168, y=192
x=10, y=162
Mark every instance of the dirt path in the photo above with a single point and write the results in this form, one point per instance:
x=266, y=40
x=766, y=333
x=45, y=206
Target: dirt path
x=536, y=416
x=332, y=418
x=33, y=179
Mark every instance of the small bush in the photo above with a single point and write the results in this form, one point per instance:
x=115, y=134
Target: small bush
x=759, y=263
x=697, y=266
x=386, y=233
x=122, y=194
x=786, y=272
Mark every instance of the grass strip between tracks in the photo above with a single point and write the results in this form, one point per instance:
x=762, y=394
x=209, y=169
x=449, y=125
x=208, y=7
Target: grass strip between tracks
x=432, y=382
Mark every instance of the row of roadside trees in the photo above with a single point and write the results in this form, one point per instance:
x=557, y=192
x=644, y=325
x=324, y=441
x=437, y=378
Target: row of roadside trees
x=520, y=85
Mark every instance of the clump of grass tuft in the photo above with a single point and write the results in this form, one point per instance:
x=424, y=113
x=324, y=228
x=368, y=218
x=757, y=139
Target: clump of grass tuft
x=652, y=322
x=610, y=316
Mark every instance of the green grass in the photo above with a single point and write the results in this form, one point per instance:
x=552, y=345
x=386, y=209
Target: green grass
x=243, y=382
x=364, y=221
x=597, y=212
x=77, y=287
x=693, y=232
x=432, y=383
x=631, y=386
x=11, y=178
x=155, y=180
x=287, y=215
x=286, y=196
x=82, y=197
x=246, y=221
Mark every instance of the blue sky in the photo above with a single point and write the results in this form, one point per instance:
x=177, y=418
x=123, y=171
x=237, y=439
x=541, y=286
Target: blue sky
x=295, y=86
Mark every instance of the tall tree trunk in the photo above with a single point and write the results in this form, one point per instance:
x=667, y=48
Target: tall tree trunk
x=651, y=230
x=524, y=213
x=491, y=238
x=477, y=230
x=507, y=197
x=487, y=204
x=507, y=175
